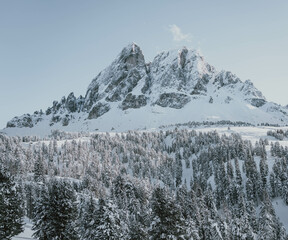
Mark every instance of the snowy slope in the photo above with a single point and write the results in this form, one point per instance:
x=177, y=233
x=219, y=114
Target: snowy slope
x=176, y=87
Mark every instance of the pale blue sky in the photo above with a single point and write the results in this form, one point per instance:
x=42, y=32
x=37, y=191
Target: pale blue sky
x=51, y=48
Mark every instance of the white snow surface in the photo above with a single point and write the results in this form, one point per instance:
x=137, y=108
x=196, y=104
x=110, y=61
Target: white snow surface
x=27, y=234
x=148, y=117
x=281, y=210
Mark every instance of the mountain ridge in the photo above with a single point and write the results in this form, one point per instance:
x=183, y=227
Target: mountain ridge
x=177, y=86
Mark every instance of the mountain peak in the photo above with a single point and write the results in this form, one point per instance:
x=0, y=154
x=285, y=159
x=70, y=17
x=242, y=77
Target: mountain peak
x=182, y=53
x=131, y=48
x=132, y=55
x=177, y=86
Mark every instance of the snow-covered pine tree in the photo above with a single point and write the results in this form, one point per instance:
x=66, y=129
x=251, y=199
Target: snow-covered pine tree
x=39, y=168
x=87, y=221
x=109, y=225
x=56, y=212
x=137, y=230
x=29, y=197
x=41, y=215
x=178, y=170
x=267, y=220
x=63, y=209
x=167, y=221
x=11, y=206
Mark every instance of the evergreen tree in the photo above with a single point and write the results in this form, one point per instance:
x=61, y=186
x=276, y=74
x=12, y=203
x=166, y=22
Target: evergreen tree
x=263, y=171
x=118, y=192
x=88, y=223
x=137, y=230
x=241, y=222
x=29, y=196
x=11, y=206
x=56, y=212
x=267, y=220
x=42, y=219
x=39, y=168
x=63, y=209
x=285, y=192
x=167, y=222
x=178, y=179
x=238, y=172
x=109, y=225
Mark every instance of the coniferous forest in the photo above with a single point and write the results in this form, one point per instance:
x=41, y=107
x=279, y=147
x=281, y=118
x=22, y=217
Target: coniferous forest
x=172, y=184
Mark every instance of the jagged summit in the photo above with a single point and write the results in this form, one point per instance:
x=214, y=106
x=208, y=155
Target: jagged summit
x=132, y=55
x=176, y=87
x=131, y=48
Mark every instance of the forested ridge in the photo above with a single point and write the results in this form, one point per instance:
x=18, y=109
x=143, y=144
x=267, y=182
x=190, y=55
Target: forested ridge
x=174, y=184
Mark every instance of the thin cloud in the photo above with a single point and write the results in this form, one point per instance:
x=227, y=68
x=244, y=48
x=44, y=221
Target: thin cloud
x=178, y=35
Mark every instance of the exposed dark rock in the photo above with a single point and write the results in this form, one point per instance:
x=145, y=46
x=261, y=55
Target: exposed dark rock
x=48, y=111
x=55, y=119
x=173, y=100
x=11, y=124
x=123, y=86
x=66, y=120
x=225, y=78
x=91, y=97
x=63, y=100
x=200, y=86
x=148, y=67
x=80, y=103
x=133, y=101
x=98, y=110
x=116, y=82
x=25, y=121
x=71, y=103
x=114, y=98
x=257, y=102
x=147, y=85
x=182, y=57
x=132, y=56
x=119, y=79
x=56, y=107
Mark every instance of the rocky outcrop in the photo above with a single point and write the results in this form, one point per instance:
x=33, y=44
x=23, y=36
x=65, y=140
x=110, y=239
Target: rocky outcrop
x=71, y=103
x=182, y=57
x=173, y=100
x=123, y=85
x=200, y=86
x=133, y=101
x=98, y=110
x=119, y=79
x=248, y=89
x=225, y=78
x=24, y=121
x=257, y=102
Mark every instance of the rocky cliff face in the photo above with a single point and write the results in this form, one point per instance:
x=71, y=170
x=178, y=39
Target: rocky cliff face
x=173, y=80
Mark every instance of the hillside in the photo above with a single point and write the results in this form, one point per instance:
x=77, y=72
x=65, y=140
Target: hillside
x=203, y=183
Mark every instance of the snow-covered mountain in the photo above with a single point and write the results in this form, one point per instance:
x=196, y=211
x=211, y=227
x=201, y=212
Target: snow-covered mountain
x=176, y=87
